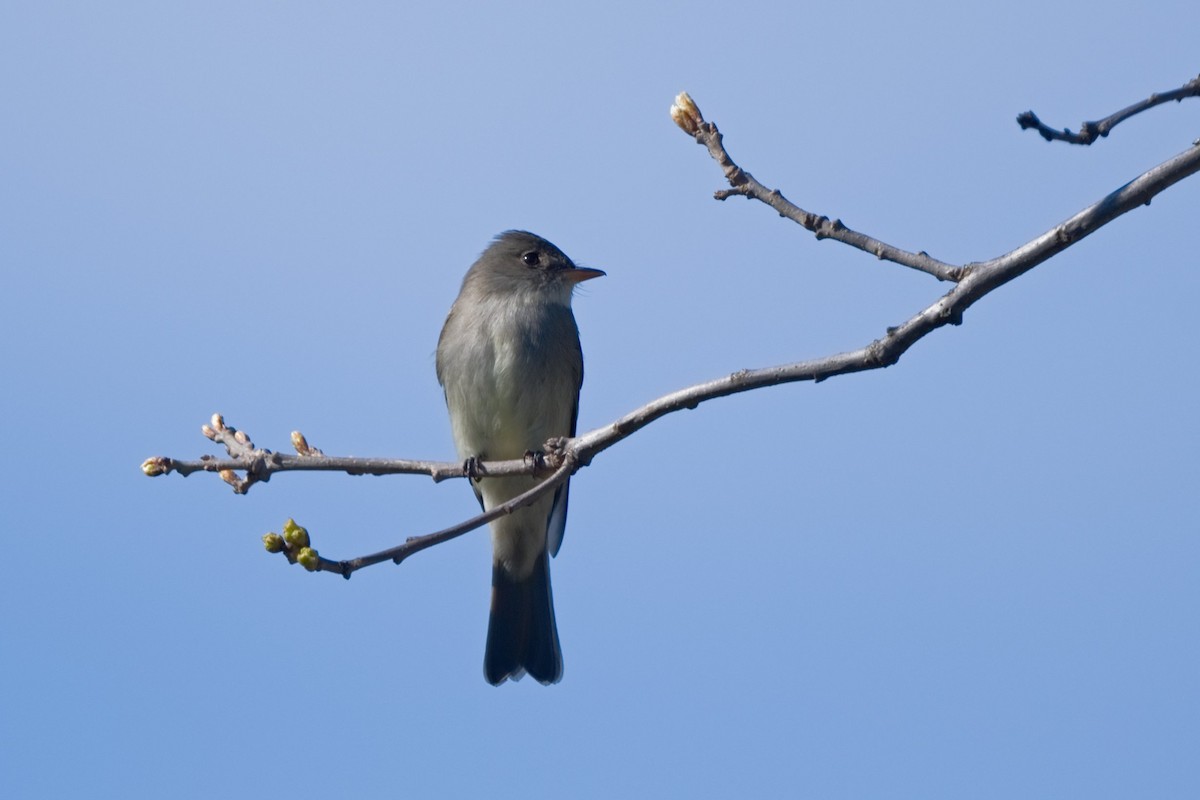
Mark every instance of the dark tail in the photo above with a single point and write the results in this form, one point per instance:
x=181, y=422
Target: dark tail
x=522, y=636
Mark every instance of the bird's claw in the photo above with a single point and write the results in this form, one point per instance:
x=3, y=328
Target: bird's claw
x=535, y=460
x=471, y=468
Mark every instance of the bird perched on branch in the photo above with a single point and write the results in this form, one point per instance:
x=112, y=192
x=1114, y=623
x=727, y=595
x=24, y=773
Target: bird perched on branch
x=511, y=366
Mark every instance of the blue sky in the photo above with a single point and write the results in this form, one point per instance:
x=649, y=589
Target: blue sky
x=973, y=574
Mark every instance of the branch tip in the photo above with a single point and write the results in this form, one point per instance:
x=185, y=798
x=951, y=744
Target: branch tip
x=1092, y=131
x=686, y=114
x=158, y=465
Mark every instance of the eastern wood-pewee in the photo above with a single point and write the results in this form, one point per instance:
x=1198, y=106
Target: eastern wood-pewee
x=510, y=364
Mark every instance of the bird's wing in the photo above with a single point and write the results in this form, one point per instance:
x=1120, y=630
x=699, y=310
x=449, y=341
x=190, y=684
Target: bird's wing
x=557, y=524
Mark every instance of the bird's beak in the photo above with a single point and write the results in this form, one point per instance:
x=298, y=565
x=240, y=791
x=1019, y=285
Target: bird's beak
x=581, y=274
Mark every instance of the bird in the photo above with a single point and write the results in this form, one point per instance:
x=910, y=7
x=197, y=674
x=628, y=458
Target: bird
x=511, y=367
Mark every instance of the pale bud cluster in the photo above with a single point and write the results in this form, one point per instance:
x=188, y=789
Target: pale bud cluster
x=215, y=425
x=302, y=446
x=686, y=114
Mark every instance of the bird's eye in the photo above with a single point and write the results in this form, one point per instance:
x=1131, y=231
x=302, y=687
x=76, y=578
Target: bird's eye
x=531, y=258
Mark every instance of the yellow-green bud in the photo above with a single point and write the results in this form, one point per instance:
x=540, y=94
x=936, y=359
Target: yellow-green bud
x=155, y=466
x=295, y=536
x=308, y=558
x=273, y=542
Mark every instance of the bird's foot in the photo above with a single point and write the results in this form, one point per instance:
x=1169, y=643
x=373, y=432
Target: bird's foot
x=471, y=468
x=535, y=460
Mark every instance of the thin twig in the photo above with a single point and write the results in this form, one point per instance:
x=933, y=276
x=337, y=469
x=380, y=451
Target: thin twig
x=266, y=463
x=1089, y=132
x=688, y=117
x=259, y=465
x=415, y=544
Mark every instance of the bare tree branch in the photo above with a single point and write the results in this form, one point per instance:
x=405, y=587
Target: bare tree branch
x=978, y=280
x=566, y=456
x=687, y=116
x=1089, y=132
x=556, y=463
x=415, y=544
x=259, y=465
